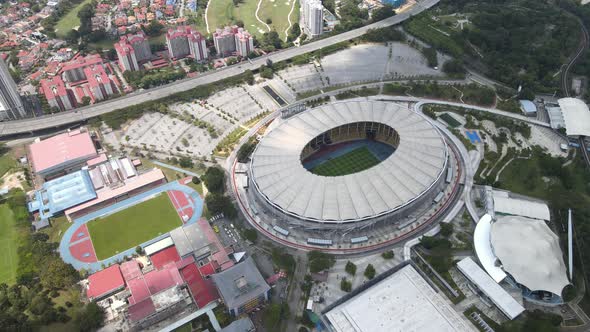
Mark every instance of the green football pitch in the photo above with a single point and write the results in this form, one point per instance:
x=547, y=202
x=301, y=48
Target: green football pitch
x=354, y=161
x=8, y=245
x=133, y=226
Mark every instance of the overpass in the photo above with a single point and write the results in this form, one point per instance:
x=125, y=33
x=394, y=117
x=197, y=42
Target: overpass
x=29, y=126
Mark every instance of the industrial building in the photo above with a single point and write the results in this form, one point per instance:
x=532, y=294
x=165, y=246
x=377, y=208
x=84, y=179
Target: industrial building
x=402, y=300
x=384, y=194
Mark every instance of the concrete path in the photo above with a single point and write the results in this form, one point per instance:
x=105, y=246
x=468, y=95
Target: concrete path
x=174, y=168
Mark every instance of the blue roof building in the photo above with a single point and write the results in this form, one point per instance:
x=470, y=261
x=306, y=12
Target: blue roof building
x=528, y=107
x=63, y=193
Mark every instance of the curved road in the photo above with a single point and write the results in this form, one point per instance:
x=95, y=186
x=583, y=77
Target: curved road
x=82, y=114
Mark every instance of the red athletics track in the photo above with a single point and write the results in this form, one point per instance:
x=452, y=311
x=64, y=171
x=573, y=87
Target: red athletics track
x=181, y=203
x=79, y=234
x=83, y=251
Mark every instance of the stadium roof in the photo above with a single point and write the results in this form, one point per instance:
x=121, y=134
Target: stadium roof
x=576, y=115
x=62, y=193
x=240, y=283
x=520, y=207
x=530, y=252
x=506, y=303
x=51, y=153
x=404, y=301
x=417, y=163
x=105, y=282
x=484, y=250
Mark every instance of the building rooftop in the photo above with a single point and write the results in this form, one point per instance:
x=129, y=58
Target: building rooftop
x=105, y=282
x=504, y=204
x=529, y=251
x=189, y=239
x=59, y=150
x=483, y=248
x=240, y=283
x=62, y=193
x=576, y=116
x=403, y=301
x=528, y=106
x=506, y=303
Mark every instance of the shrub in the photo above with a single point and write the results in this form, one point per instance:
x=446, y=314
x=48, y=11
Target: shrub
x=350, y=268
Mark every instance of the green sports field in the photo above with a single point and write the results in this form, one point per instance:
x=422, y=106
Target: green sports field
x=133, y=226
x=352, y=162
x=8, y=245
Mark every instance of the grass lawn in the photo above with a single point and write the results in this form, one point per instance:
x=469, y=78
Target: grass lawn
x=184, y=328
x=58, y=227
x=223, y=12
x=352, y=162
x=128, y=228
x=278, y=12
x=6, y=164
x=8, y=245
x=220, y=14
x=70, y=20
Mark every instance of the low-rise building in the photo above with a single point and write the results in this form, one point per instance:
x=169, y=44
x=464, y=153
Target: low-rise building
x=242, y=287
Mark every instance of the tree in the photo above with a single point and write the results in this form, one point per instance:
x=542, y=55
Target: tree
x=249, y=77
x=89, y=318
x=430, y=55
x=446, y=229
x=454, y=68
x=250, y=235
x=85, y=101
x=266, y=72
x=72, y=36
x=196, y=180
x=345, y=285
x=139, y=250
x=383, y=13
x=350, y=268
x=269, y=21
x=186, y=162
x=154, y=28
x=240, y=23
x=388, y=254
x=370, y=272
x=319, y=261
x=214, y=179
x=219, y=203
x=56, y=274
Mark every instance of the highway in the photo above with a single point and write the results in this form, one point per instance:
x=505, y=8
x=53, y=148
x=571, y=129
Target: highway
x=82, y=114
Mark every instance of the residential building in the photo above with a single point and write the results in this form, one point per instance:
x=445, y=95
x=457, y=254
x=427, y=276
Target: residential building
x=98, y=82
x=225, y=41
x=244, y=42
x=313, y=17
x=56, y=93
x=133, y=49
x=11, y=105
x=242, y=287
x=184, y=41
x=73, y=70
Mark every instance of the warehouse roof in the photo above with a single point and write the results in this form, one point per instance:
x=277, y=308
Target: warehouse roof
x=404, y=301
x=409, y=172
x=506, y=303
x=61, y=149
x=530, y=252
x=576, y=115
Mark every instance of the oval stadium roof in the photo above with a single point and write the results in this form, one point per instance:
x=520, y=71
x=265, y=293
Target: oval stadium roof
x=484, y=250
x=415, y=166
x=576, y=116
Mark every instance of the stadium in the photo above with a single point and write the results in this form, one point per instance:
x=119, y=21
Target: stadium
x=346, y=168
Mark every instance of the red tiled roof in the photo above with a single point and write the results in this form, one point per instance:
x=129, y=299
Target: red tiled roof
x=130, y=270
x=163, y=257
x=141, y=310
x=105, y=282
x=203, y=290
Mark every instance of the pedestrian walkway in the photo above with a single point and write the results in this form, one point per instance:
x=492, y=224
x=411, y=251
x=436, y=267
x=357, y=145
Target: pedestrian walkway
x=174, y=168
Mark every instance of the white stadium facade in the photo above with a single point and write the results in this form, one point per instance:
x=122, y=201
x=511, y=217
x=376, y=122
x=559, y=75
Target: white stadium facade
x=327, y=207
